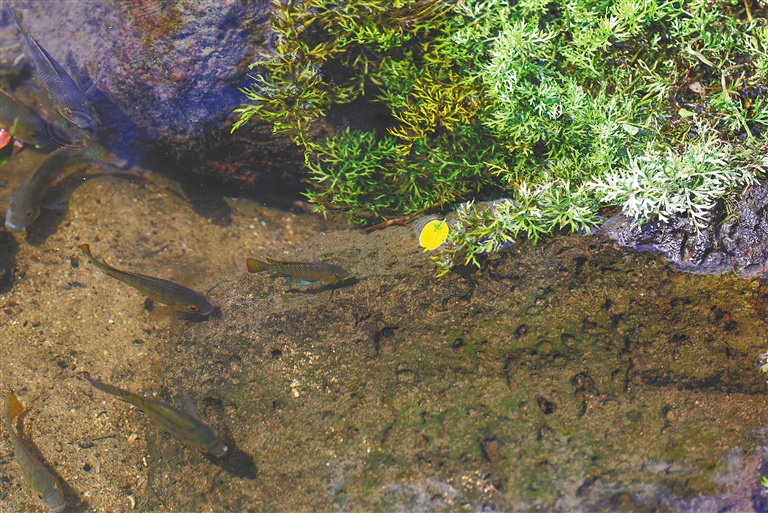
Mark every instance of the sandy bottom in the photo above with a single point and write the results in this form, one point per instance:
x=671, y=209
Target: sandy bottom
x=60, y=316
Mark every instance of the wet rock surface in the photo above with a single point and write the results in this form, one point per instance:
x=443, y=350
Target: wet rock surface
x=164, y=76
x=736, y=242
x=568, y=376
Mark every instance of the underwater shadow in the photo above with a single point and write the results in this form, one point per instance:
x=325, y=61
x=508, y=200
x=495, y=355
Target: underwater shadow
x=116, y=129
x=9, y=248
x=236, y=462
x=208, y=194
x=347, y=282
x=202, y=192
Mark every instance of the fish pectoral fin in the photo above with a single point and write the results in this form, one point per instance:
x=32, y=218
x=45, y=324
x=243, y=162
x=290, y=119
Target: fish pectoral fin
x=162, y=312
x=169, y=450
x=93, y=85
x=59, y=205
x=189, y=405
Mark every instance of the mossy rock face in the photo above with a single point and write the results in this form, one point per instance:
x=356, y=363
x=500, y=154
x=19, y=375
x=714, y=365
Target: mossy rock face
x=566, y=376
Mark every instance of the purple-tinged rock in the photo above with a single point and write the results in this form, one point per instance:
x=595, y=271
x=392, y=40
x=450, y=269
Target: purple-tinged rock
x=166, y=75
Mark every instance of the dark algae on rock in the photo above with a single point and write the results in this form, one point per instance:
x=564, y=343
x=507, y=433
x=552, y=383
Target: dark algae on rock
x=566, y=376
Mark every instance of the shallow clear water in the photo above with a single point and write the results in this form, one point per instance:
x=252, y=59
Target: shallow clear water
x=565, y=376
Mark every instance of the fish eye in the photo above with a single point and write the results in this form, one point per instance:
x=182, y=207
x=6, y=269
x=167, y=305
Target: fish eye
x=40, y=495
x=68, y=111
x=28, y=213
x=192, y=308
x=203, y=449
x=337, y=275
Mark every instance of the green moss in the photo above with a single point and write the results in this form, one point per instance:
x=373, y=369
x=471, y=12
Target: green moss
x=554, y=105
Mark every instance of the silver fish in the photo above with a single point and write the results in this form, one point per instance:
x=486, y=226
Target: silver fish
x=63, y=90
x=184, y=425
x=28, y=196
x=176, y=296
x=41, y=482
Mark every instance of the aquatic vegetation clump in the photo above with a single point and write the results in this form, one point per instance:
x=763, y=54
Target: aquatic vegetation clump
x=558, y=106
x=488, y=227
x=370, y=178
x=659, y=184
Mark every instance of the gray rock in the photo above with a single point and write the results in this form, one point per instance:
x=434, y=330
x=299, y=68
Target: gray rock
x=737, y=243
x=166, y=75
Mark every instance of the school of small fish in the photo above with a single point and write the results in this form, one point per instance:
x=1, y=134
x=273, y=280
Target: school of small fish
x=25, y=126
x=22, y=125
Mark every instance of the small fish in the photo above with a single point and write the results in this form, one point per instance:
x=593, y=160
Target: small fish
x=69, y=100
x=184, y=425
x=163, y=291
x=28, y=196
x=30, y=128
x=305, y=271
x=41, y=482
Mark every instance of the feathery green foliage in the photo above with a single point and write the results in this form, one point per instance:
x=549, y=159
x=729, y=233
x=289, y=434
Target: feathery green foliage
x=660, y=107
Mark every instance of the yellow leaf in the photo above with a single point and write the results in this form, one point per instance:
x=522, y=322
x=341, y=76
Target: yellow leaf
x=433, y=234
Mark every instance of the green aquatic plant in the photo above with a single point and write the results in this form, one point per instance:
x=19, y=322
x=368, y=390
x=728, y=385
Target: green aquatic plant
x=563, y=107
x=659, y=184
x=369, y=177
x=487, y=227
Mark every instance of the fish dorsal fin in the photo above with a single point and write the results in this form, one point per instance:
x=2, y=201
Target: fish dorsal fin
x=186, y=278
x=13, y=407
x=189, y=405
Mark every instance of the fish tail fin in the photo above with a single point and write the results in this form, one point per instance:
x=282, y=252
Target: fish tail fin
x=19, y=20
x=13, y=407
x=95, y=383
x=256, y=266
x=16, y=14
x=86, y=249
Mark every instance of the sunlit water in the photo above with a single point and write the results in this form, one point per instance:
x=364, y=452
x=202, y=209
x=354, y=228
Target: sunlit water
x=566, y=376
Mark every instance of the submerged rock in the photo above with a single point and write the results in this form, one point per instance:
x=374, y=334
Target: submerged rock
x=165, y=75
x=737, y=243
